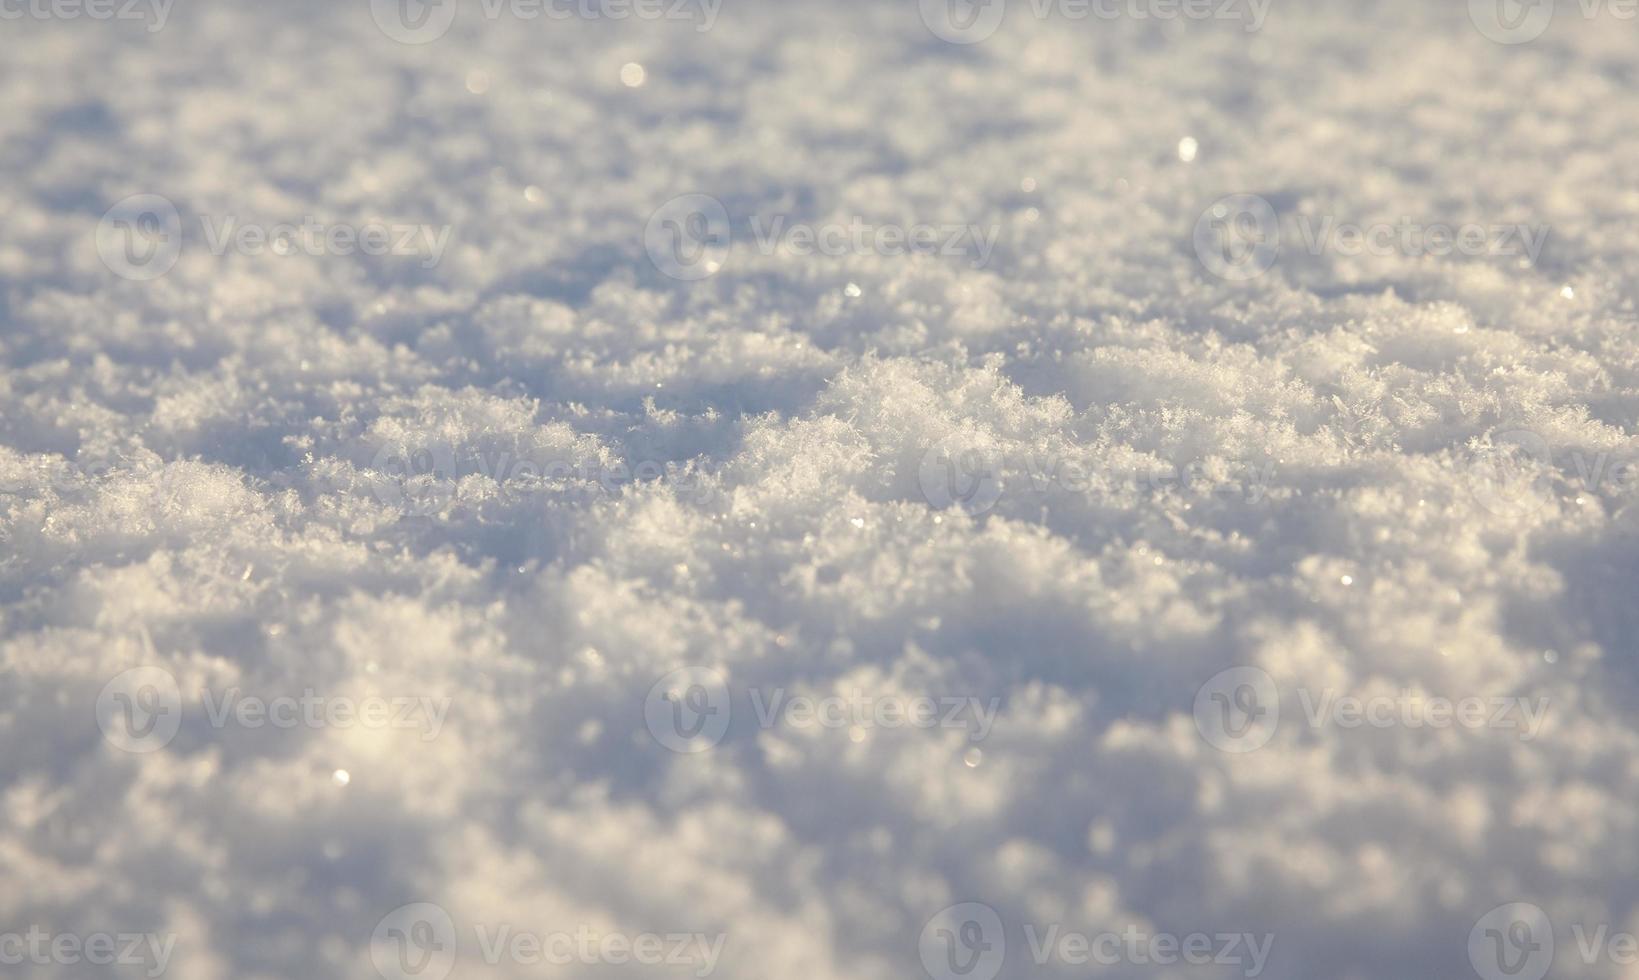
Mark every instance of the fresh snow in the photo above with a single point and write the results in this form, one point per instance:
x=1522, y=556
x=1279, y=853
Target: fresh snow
x=562, y=564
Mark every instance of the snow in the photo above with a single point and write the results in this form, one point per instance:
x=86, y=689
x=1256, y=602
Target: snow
x=853, y=604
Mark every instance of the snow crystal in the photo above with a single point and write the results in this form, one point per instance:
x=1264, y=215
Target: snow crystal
x=1049, y=472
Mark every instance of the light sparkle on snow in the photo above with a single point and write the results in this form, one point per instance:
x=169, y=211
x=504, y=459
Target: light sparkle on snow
x=164, y=437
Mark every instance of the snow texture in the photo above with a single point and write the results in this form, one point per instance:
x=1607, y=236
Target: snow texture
x=511, y=485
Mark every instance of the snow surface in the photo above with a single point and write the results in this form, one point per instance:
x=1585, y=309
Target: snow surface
x=1379, y=475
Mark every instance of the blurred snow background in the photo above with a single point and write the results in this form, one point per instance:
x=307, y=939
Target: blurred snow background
x=534, y=477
